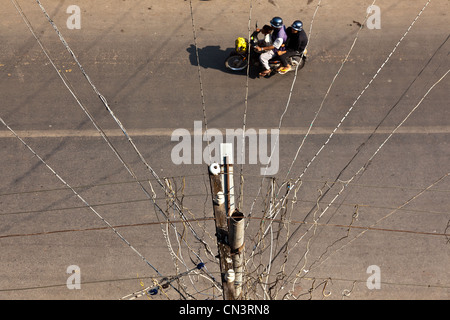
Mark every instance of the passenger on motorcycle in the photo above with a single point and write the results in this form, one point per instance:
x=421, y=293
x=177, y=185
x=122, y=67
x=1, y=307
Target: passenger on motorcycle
x=266, y=31
x=279, y=37
x=295, y=45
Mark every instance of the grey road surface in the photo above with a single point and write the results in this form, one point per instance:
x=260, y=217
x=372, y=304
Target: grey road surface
x=350, y=229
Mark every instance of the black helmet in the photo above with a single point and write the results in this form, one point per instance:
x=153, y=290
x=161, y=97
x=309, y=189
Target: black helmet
x=276, y=22
x=297, y=25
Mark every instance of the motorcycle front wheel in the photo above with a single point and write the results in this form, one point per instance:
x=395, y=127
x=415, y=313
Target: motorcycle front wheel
x=236, y=62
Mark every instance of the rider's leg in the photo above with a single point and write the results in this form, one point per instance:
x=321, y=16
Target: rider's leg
x=284, y=63
x=264, y=58
x=286, y=66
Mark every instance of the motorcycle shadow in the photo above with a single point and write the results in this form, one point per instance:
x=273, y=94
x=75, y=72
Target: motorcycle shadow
x=213, y=57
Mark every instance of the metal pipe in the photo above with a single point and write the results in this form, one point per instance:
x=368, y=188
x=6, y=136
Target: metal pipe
x=236, y=238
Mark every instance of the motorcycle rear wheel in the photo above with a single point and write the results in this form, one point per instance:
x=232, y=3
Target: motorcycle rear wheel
x=297, y=61
x=236, y=62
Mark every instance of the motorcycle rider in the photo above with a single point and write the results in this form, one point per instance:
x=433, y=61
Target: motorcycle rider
x=266, y=31
x=279, y=37
x=295, y=45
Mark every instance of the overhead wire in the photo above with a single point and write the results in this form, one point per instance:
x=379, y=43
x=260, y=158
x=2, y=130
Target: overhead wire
x=104, y=101
x=291, y=186
x=280, y=221
x=361, y=93
x=388, y=215
x=287, y=221
x=79, y=196
x=327, y=92
x=365, y=166
x=129, y=139
x=203, y=105
x=114, y=183
x=364, y=143
x=244, y=121
x=202, y=94
x=316, y=114
x=287, y=105
x=340, y=279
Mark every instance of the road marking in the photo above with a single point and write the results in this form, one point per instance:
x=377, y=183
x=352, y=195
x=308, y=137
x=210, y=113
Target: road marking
x=155, y=132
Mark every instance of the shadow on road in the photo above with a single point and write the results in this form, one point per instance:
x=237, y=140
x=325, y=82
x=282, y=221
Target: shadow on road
x=209, y=57
x=213, y=57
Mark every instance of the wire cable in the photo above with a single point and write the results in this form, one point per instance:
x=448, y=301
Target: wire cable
x=205, y=121
x=286, y=107
x=129, y=139
x=79, y=196
x=103, y=99
x=281, y=202
x=362, y=92
x=365, y=166
x=327, y=93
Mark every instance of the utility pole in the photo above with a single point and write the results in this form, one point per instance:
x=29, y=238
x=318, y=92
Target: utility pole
x=229, y=225
x=221, y=221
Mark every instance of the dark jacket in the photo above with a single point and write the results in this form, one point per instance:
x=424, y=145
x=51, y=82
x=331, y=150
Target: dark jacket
x=296, y=41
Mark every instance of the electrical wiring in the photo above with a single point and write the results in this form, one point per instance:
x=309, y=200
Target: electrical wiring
x=358, y=150
x=292, y=222
x=342, y=189
x=244, y=120
x=287, y=103
x=362, y=93
x=78, y=196
x=129, y=139
x=365, y=166
x=103, y=99
x=114, y=183
x=327, y=93
x=280, y=204
x=386, y=216
x=202, y=95
x=280, y=221
x=292, y=185
x=128, y=279
x=368, y=161
x=268, y=276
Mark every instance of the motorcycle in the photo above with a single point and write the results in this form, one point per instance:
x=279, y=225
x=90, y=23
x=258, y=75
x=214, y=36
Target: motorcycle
x=239, y=58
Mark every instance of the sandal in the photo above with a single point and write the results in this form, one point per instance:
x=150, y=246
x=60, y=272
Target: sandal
x=264, y=73
x=284, y=70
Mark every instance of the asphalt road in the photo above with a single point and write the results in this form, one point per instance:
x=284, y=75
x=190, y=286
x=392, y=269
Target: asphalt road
x=141, y=56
